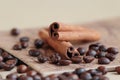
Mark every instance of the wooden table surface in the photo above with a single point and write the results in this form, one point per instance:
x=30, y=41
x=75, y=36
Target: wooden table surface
x=110, y=37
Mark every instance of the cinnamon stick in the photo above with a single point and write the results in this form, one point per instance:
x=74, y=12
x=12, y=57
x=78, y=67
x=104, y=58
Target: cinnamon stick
x=65, y=49
x=81, y=36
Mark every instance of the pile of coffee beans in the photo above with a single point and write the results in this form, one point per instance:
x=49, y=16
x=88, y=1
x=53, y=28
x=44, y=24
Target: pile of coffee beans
x=7, y=61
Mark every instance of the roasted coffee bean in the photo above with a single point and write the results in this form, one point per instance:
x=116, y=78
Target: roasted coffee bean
x=17, y=47
x=79, y=71
x=85, y=76
x=22, y=68
x=76, y=59
x=62, y=77
x=23, y=77
x=42, y=59
x=93, y=72
x=1, y=51
x=6, y=56
x=112, y=50
x=2, y=65
x=24, y=45
x=110, y=56
x=12, y=76
x=103, y=60
x=82, y=51
x=102, y=48
x=64, y=62
x=24, y=39
x=15, y=32
x=94, y=46
x=102, y=69
x=37, y=77
x=73, y=77
x=96, y=78
x=34, y=52
x=38, y=43
x=1, y=58
x=55, y=58
x=31, y=73
x=88, y=59
x=91, y=53
x=117, y=69
x=100, y=54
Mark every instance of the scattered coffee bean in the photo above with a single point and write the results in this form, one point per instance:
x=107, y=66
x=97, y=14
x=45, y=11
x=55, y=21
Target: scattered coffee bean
x=76, y=59
x=31, y=73
x=91, y=53
x=88, y=59
x=55, y=58
x=86, y=76
x=81, y=50
x=24, y=39
x=34, y=52
x=93, y=72
x=15, y=32
x=102, y=48
x=24, y=45
x=42, y=59
x=22, y=68
x=100, y=54
x=103, y=60
x=38, y=43
x=64, y=62
x=79, y=71
x=111, y=56
x=12, y=76
x=112, y=50
x=17, y=47
x=117, y=69
x=94, y=46
x=102, y=69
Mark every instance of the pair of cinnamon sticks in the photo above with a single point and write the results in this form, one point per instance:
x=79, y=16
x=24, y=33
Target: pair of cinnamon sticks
x=58, y=35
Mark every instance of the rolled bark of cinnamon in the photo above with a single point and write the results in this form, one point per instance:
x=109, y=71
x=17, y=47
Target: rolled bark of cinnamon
x=81, y=36
x=57, y=26
x=65, y=49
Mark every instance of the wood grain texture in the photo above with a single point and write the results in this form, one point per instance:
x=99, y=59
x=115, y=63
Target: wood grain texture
x=109, y=29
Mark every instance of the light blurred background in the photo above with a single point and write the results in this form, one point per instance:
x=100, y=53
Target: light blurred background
x=34, y=13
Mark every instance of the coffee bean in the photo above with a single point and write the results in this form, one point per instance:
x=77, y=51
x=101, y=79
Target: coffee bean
x=25, y=78
x=6, y=56
x=96, y=78
x=94, y=46
x=38, y=43
x=15, y=32
x=22, y=68
x=102, y=69
x=86, y=76
x=37, y=77
x=55, y=58
x=76, y=59
x=64, y=62
x=42, y=59
x=17, y=47
x=2, y=65
x=117, y=69
x=112, y=50
x=12, y=76
x=79, y=71
x=34, y=52
x=24, y=45
x=103, y=60
x=73, y=77
x=111, y=56
x=21, y=77
x=100, y=54
x=91, y=53
x=93, y=72
x=82, y=51
x=1, y=58
x=31, y=73
x=24, y=39
x=104, y=78
x=88, y=59
x=102, y=48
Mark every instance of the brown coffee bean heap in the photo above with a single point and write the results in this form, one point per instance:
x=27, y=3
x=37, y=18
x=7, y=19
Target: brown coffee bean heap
x=100, y=52
x=7, y=61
